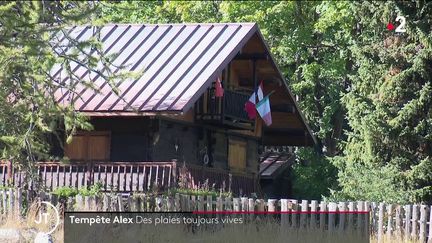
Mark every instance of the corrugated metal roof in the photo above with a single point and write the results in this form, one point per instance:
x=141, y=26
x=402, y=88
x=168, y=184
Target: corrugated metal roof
x=274, y=163
x=177, y=62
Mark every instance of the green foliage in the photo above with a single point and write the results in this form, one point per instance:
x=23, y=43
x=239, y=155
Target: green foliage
x=65, y=192
x=366, y=92
x=388, y=153
x=313, y=175
x=310, y=49
x=29, y=114
x=93, y=190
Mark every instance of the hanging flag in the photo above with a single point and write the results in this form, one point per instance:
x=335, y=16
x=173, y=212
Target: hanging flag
x=250, y=107
x=263, y=108
x=219, y=90
x=260, y=91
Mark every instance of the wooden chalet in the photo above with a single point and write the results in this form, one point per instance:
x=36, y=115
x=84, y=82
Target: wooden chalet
x=169, y=116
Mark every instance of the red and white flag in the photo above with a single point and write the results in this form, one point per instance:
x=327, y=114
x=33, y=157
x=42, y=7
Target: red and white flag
x=250, y=106
x=219, y=90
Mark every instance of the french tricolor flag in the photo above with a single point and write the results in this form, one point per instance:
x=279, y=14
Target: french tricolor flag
x=263, y=108
x=250, y=106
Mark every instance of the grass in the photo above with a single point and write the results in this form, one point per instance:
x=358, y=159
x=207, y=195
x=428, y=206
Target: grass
x=27, y=224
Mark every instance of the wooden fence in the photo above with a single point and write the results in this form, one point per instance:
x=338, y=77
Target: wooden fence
x=394, y=222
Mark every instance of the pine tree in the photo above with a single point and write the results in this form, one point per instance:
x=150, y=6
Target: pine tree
x=388, y=153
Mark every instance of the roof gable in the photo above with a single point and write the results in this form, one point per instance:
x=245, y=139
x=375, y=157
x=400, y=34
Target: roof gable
x=178, y=62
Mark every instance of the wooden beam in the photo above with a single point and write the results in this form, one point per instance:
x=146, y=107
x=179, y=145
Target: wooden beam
x=286, y=137
x=251, y=56
x=288, y=108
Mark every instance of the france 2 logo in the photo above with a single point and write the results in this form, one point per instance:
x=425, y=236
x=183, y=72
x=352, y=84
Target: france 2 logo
x=400, y=28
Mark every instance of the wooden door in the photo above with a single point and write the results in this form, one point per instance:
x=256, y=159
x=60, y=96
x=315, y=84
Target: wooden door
x=237, y=154
x=77, y=149
x=89, y=146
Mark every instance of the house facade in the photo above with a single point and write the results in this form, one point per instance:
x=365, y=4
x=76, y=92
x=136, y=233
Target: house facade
x=169, y=117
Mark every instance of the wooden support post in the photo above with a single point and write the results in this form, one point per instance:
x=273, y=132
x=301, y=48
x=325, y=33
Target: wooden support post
x=130, y=203
x=303, y=216
x=322, y=215
x=219, y=204
x=193, y=203
x=2, y=204
x=11, y=203
x=342, y=207
x=261, y=205
x=19, y=197
x=174, y=173
x=380, y=222
x=244, y=204
x=294, y=216
x=200, y=203
x=271, y=205
x=430, y=226
x=351, y=208
x=86, y=203
x=407, y=222
x=251, y=208
x=284, y=215
x=136, y=200
x=313, y=216
x=79, y=202
x=209, y=203
x=389, y=222
x=228, y=204
x=398, y=223
x=423, y=222
x=236, y=204
x=105, y=203
x=332, y=214
x=366, y=219
x=414, y=222
x=120, y=203
x=251, y=205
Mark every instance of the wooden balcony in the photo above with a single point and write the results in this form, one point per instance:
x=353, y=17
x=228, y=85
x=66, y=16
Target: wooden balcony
x=125, y=176
x=227, y=110
x=114, y=176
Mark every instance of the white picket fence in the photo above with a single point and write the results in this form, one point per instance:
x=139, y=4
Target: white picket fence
x=394, y=222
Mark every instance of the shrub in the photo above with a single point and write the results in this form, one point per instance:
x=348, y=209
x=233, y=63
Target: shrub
x=93, y=190
x=65, y=192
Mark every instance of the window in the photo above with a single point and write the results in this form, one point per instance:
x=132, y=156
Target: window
x=237, y=154
x=89, y=146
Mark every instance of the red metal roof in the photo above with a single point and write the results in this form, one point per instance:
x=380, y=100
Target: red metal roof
x=177, y=63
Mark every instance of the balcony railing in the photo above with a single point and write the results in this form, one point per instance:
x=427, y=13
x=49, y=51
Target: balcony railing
x=227, y=110
x=113, y=176
x=125, y=176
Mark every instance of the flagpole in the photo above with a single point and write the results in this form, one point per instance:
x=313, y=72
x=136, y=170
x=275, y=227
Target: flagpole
x=271, y=92
x=254, y=78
